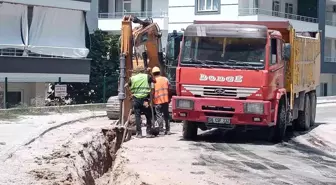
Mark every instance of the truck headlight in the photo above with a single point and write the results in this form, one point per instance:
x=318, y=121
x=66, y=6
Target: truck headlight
x=254, y=108
x=184, y=104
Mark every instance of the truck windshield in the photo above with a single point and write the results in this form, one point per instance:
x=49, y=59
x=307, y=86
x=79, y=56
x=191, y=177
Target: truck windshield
x=248, y=53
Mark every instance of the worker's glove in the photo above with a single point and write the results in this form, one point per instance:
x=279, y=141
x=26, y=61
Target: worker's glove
x=146, y=104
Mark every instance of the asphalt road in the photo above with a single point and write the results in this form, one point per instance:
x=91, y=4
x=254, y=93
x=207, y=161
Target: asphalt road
x=217, y=159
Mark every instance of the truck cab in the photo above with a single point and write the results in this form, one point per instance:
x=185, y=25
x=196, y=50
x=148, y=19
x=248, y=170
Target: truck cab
x=233, y=75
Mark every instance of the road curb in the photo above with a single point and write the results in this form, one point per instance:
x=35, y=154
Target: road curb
x=326, y=102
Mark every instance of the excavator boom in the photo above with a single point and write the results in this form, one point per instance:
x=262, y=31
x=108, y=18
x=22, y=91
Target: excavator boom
x=147, y=34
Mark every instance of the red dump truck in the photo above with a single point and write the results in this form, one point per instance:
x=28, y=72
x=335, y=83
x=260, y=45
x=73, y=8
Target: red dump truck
x=242, y=75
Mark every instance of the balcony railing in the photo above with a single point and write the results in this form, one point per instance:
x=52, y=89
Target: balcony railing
x=13, y=52
x=258, y=11
x=118, y=15
x=330, y=59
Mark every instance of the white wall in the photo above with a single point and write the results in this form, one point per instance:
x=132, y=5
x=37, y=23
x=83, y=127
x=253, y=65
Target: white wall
x=115, y=24
x=229, y=11
x=32, y=94
x=330, y=79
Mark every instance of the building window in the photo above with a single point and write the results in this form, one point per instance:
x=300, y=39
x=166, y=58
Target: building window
x=256, y=4
x=288, y=10
x=207, y=6
x=14, y=98
x=146, y=8
x=276, y=8
x=103, y=6
x=127, y=6
x=324, y=89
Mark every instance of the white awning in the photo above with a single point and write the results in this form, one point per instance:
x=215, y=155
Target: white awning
x=13, y=26
x=58, y=32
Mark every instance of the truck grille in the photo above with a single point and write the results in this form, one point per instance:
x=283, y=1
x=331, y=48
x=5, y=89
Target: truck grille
x=220, y=91
x=215, y=91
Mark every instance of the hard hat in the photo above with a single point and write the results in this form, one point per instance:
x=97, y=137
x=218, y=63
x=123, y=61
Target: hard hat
x=155, y=70
x=139, y=69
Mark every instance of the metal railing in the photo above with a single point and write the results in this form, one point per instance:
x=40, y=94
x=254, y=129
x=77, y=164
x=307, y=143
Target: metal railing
x=118, y=15
x=258, y=11
x=330, y=59
x=26, y=53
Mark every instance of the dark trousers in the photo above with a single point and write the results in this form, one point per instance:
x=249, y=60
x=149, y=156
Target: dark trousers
x=139, y=108
x=162, y=115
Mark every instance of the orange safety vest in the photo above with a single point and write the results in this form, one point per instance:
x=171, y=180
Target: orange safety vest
x=161, y=90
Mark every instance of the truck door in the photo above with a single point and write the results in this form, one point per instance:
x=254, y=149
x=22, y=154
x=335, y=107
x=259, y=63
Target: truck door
x=276, y=65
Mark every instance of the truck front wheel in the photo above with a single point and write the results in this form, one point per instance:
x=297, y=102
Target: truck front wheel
x=279, y=130
x=189, y=130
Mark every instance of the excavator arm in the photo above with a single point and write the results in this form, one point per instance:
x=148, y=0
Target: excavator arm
x=147, y=34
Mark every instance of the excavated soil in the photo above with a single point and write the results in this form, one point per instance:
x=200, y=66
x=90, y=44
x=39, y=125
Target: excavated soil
x=84, y=166
x=76, y=154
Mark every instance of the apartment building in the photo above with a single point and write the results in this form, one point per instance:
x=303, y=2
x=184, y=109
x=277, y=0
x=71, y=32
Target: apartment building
x=303, y=14
x=41, y=41
x=111, y=12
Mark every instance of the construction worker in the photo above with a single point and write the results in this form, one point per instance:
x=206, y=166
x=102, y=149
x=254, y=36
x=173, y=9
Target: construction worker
x=140, y=87
x=161, y=99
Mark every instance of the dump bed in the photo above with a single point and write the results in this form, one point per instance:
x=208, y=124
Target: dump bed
x=305, y=63
x=303, y=69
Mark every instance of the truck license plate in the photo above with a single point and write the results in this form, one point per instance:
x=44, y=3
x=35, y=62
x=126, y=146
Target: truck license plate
x=219, y=120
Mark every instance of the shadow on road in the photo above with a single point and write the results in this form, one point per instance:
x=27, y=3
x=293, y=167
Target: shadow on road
x=290, y=134
x=257, y=137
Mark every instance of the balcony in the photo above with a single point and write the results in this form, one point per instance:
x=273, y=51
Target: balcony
x=300, y=23
x=330, y=59
x=24, y=66
x=112, y=21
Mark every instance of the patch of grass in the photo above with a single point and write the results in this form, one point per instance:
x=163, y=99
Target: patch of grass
x=6, y=116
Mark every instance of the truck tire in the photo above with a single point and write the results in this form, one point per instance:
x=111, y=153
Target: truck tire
x=189, y=130
x=279, y=130
x=303, y=121
x=313, y=102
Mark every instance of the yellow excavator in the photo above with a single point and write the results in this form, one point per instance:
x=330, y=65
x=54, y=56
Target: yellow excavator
x=139, y=46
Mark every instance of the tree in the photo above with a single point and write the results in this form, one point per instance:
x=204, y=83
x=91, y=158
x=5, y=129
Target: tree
x=104, y=53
